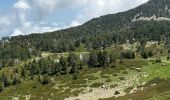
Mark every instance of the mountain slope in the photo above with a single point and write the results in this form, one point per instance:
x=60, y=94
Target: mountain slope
x=159, y=8
x=149, y=21
x=114, y=22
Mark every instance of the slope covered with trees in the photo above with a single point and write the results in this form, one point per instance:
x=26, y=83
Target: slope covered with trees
x=97, y=33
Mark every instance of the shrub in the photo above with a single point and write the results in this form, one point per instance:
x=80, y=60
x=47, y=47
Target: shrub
x=45, y=80
x=115, y=74
x=75, y=76
x=145, y=55
x=104, y=76
x=125, y=72
x=16, y=80
x=168, y=57
x=158, y=60
x=108, y=80
x=117, y=92
x=122, y=78
x=127, y=55
x=150, y=54
x=34, y=86
x=95, y=85
x=113, y=86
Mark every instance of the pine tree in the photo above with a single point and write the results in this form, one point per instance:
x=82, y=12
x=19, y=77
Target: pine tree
x=5, y=80
x=16, y=80
x=23, y=72
x=145, y=55
x=92, y=59
x=72, y=61
x=63, y=63
x=46, y=80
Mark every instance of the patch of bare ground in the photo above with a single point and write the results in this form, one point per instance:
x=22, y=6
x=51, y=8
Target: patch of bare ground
x=106, y=91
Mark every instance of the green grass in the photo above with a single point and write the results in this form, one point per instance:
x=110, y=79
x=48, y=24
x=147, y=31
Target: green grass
x=156, y=70
x=96, y=77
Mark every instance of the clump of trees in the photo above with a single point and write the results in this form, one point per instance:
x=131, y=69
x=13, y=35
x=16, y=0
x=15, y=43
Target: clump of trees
x=127, y=55
x=8, y=81
x=146, y=54
x=48, y=67
x=11, y=53
x=101, y=58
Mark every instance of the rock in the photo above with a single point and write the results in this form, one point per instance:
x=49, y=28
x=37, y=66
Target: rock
x=117, y=92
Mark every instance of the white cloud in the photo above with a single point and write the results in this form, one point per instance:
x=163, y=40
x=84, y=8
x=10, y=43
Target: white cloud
x=22, y=4
x=39, y=29
x=16, y=32
x=74, y=23
x=19, y=22
x=43, y=7
x=4, y=20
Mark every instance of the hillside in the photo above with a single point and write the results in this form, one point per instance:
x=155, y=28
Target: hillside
x=149, y=21
x=114, y=57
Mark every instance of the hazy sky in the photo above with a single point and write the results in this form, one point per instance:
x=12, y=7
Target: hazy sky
x=34, y=16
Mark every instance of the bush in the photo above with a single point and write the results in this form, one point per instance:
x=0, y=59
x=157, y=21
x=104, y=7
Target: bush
x=104, y=76
x=115, y=74
x=168, y=57
x=127, y=55
x=96, y=85
x=34, y=86
x=108, y=80
x=145, y=55
x=158, y=60
x=113, y=86
x=169, y=51
x=75, y=76
x=150, y=54
x=121, y=78
x=16, y=80
x=125, y=72
x=117, y=92
x=45, y=80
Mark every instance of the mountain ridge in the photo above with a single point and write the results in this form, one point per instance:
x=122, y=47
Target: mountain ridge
x=125, y=20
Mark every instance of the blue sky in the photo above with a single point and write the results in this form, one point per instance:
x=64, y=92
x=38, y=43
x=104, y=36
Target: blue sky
x=22, y=17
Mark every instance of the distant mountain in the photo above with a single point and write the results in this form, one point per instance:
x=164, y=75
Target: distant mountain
x=158, y=10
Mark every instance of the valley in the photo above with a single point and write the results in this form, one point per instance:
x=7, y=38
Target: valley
x=126, y=78
x=121, y=56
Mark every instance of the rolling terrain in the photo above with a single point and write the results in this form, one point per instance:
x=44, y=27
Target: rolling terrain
x=123, y=56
